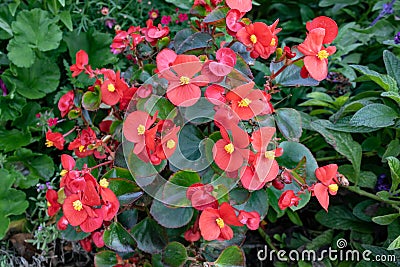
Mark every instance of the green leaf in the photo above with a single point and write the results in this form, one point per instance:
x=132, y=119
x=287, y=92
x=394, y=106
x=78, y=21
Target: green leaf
x=37, y=81
x=92, y=100
x=71, y=234
x=181, y=4
x=375, y=116
x=326, y=3
x=201, y=112
x=385, y=219
x=258, y=201
x=386, y=82
x=395, y=244
x=342, y=143
x=12, y=201
x=291, y=75
x=118, y=238
x=343, y=125
x=174, y=254
x=392, y=64
x=5, y=29
x=341, y=218
x=11, y=107
x=126, y=191
x=192, y=41
x=393, y=95
x=320, y=241
x=231, y=257
x=393, y=150
x=20, y=54
x=150, y=237
x=394, y=165
x=128, y=218
x=13, y=139
x=170, y=217
x=365, y=179
x=65, y=17
x=96, y=45
x=288, y=121
x=105, y=258
x=217, y=16
x=162, y=105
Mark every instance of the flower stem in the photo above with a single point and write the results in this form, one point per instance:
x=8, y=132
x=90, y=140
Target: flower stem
x=361, y=192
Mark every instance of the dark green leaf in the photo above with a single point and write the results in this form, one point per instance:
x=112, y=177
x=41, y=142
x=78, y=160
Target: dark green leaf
x=175, y=254
x=231, y=257
x=375, y=116
x=128, y=218
x=118, y=172
x=11, y=107
x=288, y=121
x=20, y=54
x=65, y=17
x=217, y=16
x=394, y=165
x=392, y=64
x=105, y=258
x=386, y=82
x=198, y=40
x=70, y=234
x=165, y=108
x=385, y=219
x=13, y=139
x=395, y=244
x=365, y=179
x=118, y=238
x=258, y=201
x=150, y=236
x=170, y=217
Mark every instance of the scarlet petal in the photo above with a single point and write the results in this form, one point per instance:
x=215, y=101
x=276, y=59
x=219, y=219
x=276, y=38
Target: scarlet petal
x=208, y=225
x=317, y=68
x=108, y=97
x=263, y=167
x=226, y=233
x=241, y=5
x=184, y=95
x=328, y=24
x=326, y=173
x=262, y=137
x=73, y=216
x=90, y=195
x=93, y=223
x=220, y=69
x=187, y=69
x=97, y=238
x=82, y=58
x=165, y=59
x=214, y=94
x=250, y=179
x=228, y=215
x=321, y=192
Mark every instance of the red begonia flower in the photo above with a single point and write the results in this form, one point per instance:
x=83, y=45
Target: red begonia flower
x=93, y=222
x=110, y=201
x=288, y=199
x=241, y=5
x=82, y=60
x=153, y=33
x=52, y=202
x=215, y=94
x=330, y=26
x=55, y=139
x=250, y=219
x=200, y=196
x=165, y=58
x=66, y=103
x=214, y=223
x=192, y=235
x=183, y=88
x=326, y=175
x=62, y=223
x=247, y=102
x=85, y=144
x=315, y=54
x=233, y=23
x=97, y=238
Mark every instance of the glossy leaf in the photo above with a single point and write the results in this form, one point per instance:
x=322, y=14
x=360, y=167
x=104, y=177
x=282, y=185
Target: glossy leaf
x=231, y=257
x=375, y=116
x=170, y=217
x=175, y=254
x=288, y=121
x=150, y=236
x=192, y=41
x=118, y=238
x=105, y=258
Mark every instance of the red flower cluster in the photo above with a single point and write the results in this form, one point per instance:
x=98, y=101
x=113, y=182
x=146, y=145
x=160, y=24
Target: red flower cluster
x=86, y=144
x=87, y=203
x=126, y=39
x=154, y=141
x=327, y=175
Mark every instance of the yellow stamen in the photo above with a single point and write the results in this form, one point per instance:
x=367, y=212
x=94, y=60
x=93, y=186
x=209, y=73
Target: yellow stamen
x=269, y=155
x=141, y=129
x=184, y=80
x=253, y=39
x=77, y=205
x=111, y=87
x=229, y=148
x=333, y=187
x=104, y=183
x=49, y=143
x=154, y=15
x=220, y=222
x=244, y=103
x=322, y=54
x=63, y=172
x=171, y=144
x=48, y=204
x=81, y=148
x=273, y=42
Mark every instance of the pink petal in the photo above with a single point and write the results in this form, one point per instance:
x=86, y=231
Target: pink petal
x=321, y=192
x=184, y=95
x=317, y=68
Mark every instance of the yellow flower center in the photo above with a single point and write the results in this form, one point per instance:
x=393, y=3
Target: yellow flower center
x=154, y=15
x=229, y=148
x=104, y=183
x=269, y=155
x=63, y=172
x=171, y=144
x=333, y=187
x=273, y=42
x=141, y=129
x=49, y=143
x=81, y=148
x=48, y=204
x=77, y=205
x=244, y=103
x=111, y=87
x=184, y=80
x=220, y=222
x=253, y=38
x=322, y=54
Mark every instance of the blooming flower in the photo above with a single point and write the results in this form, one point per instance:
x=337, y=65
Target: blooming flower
x=183, y=17
x=327, y=177
x=217, y=70
x=233, y=23
x=165, y=20
x=153, y=14
x=104, y=11
x=82, y=61
x=52, y=122
x=66, y=103
x=200, y=196
x=52, y=202
x=397, y=38
x=315, y=54
x=330, y=26
x=165, y=59
x=55, y=139
x=85, y=143
x=153, y=33
x=246, y=102
x=241, y=5
x=215, y=223
x=113, y=87
x=288, y=199
x=183, y=88
x=259, y=38
x=250, y=219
